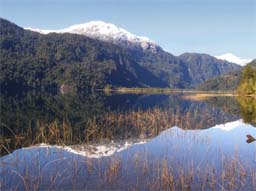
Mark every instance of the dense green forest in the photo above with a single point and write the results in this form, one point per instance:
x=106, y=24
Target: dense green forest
x=30, y=60
x=247, y=84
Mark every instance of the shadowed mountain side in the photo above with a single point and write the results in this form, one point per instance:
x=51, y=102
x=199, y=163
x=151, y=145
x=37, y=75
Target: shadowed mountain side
x=30, y=60
x=226, y=82
x=203, y=67
x=134, y=75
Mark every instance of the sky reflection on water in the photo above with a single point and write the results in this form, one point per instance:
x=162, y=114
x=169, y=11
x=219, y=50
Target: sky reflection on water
x=189, y=149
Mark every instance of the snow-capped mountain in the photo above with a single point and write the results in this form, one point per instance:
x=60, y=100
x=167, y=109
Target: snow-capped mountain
x=109, y=33
x=234, y=59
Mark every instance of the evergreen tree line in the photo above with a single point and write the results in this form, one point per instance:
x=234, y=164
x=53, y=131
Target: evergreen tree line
x=247, y=84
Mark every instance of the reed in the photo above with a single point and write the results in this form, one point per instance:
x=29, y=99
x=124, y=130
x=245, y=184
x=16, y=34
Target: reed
x=112, y=170
x=165, y=174
x=161, y=174
x=142, y=124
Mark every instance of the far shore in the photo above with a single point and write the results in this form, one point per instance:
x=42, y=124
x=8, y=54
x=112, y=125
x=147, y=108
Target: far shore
x=196, y=95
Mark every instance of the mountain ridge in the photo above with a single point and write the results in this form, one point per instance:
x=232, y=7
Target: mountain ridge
x=107, y=32
x=36, y=60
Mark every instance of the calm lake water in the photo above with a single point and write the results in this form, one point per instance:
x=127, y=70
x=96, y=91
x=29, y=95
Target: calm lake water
x=126, y=142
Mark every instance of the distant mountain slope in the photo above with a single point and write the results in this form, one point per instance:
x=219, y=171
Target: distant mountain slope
x=33, y=60
x=229, y=81
x=202, y=67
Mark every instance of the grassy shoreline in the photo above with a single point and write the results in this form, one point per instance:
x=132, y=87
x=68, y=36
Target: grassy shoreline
x=195, y=95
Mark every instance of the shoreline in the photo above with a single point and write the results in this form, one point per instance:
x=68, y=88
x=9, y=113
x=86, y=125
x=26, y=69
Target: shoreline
x=164, y=90
x=195, y=95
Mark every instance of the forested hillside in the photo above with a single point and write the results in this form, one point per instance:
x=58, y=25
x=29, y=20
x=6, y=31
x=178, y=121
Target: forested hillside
x=29, y=59
x=33, y=60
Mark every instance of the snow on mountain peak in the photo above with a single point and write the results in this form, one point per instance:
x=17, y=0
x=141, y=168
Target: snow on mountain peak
x=102, y=28
x=234, y=59
x=42, y=31
x=107, y=32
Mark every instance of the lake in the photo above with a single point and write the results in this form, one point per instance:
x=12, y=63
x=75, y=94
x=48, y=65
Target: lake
x=113, y=141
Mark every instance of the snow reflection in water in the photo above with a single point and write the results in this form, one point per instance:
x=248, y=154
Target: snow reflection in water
x=132, y=162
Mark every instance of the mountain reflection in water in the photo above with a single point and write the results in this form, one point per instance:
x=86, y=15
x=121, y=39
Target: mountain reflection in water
x=71, y=119
x=191, y=150
x=123, y=142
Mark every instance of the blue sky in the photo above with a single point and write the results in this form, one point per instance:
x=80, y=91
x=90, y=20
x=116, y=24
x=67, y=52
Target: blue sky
x=205, y=26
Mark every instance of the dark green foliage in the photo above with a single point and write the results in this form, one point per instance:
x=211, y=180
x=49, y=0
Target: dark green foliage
x=168, y=67
x=29, y=59
x=247, y=84
x=32, y=60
